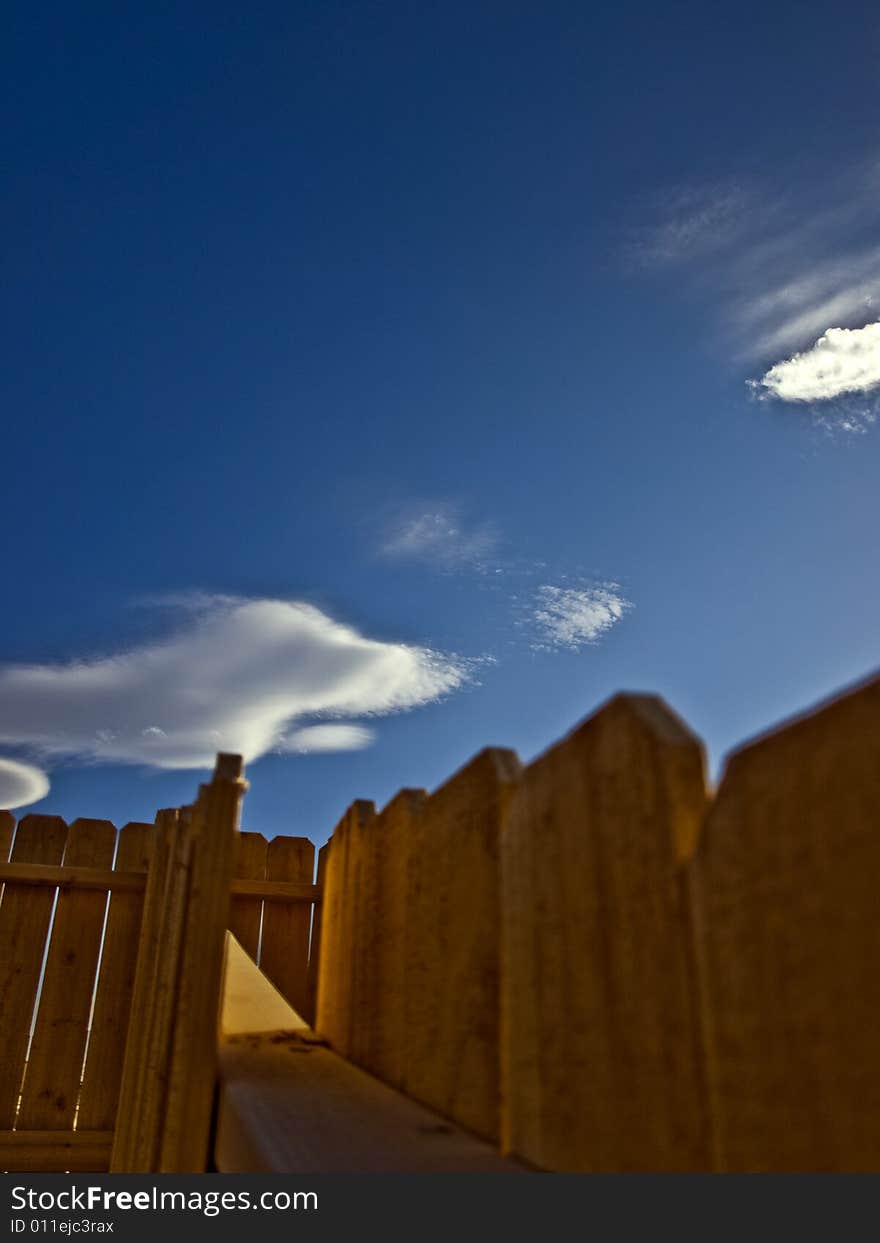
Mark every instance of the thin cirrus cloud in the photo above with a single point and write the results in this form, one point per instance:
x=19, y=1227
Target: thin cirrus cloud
x=436, y=534
x=789, y=274
x=238, y=675
x=572, y=617
x=21, y=784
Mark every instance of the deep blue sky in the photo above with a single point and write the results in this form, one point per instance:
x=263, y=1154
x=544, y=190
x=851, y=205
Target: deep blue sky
x=283, y=280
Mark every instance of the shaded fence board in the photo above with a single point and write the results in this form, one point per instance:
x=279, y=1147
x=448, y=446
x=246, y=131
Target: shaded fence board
x=24, y=921
x=246, y=914
x=315, y=940
x=109, y=1029
x=284, y=952
x=7, y=829
x=334, y=1003
x=787, y=881
x=601, y=1052
x=51, y=1085
x=453, y=936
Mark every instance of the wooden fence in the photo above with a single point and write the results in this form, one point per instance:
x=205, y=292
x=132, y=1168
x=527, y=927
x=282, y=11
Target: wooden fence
x=71, y=916
x=599, y=965
x=593, y=963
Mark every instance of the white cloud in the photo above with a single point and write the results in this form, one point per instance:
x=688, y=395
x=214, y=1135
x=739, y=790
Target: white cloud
x=573, y=616
x=328, y=738
x=21, y=784
x=235, y=677
x=689, y=222
x=438, y=536
x=842, y=361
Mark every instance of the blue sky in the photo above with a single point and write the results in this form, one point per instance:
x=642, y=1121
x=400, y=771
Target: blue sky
x=388, y=380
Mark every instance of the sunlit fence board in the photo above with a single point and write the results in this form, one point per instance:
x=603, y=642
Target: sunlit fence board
x=601, y=1055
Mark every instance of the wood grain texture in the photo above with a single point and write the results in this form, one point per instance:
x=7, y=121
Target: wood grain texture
x=24, y=922
x=284, y=953
x=380, y=989
x=290, y=1106
x=453, y=939
x=602, y=1063
x=78, y=1152
x=113, y=995
x=315, y=940
x=135, y=1136
x=335, y=973
x=193, y=1064
x=246, y=914
x=7, y=829
x=51, y=1084
x=787, y=884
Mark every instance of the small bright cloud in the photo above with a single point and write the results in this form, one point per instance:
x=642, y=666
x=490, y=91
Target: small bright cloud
x=21, y=784
x=571, y=617
x=328, y=738
x=843, y=361
x=236, y=676
x=437, y=535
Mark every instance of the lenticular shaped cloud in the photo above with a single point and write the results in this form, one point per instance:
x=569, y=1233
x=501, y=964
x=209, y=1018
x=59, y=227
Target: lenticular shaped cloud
x=573, y=616
x=234, y=679
x=21, y=784
x=843, y=360
x=328, y=738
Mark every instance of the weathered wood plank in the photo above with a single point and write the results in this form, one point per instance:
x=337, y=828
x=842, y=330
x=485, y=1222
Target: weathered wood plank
x=453, y=941
x=193, y=1065
x=315, y=941
x=7, y=830
x=32, y=1152
x=246, y=914
x=787, y=880
x=113, y=996
x=24, y=922
x=602, y=1068
x=284, y=952
x=52, y=1080
x=335, y=975
x=287, y=1105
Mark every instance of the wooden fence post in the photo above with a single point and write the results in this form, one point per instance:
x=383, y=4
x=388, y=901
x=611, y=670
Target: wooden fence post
x=284, y=954
x=787, y=883
x=602, y=1067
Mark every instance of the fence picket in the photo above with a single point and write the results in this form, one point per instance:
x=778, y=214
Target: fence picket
x=284, y=953
x=246, y=914
x=24, y=922
x=315, y=941
x=602, y=1067
x=51, y=1084
x=113, y=996
x=786, y=879
x=453, y=937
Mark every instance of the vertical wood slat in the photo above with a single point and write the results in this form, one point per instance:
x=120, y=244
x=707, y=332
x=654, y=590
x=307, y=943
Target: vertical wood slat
x=453, y=940
x=130, y=1133
x=193, y=1067
x=787, y=884
x=600, y=1032
x=51, y=1084
x=246, y=914
x=284, y=952
x=24, y=923
x=315, y=941
x=380, y=990
x=7, y=829
x=113, y=996
x=334, y=1006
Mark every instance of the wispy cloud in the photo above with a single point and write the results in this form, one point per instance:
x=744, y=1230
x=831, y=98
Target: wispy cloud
x=844, y=360
x=570, y=617
x=21, y=784
x=783, y=271
x=437, y=534
x=238, y=675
